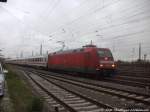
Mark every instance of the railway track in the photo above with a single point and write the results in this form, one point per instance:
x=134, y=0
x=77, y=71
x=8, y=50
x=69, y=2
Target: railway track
x=133, y=78
x=71, y=101
x=113, y=91
x=134, y=74
x=134, y=71
x=134, y=83
x=139, y=91
x=130, y=82
x=124, y=98
x=53, y=104
x=112, y=98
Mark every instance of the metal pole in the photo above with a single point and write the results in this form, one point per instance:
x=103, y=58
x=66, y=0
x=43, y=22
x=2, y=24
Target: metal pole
x=21, y=54
x=145, y=55
x=41, y=50
x=91, y=42
x=133, y=51
x=139, y=51
x=32, y=53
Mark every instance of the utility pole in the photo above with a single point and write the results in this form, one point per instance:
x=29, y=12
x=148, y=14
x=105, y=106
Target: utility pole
x=41, y=50
x=32, y=53
x=21, y=55
x=145, y=55
x=139, y=51
x=133, y=52
x=91, y=42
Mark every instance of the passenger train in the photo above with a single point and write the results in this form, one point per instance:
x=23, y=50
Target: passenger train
x=89, y=59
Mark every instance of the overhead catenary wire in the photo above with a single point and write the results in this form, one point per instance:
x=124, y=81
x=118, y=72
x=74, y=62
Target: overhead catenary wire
x=124, y=11
x=109, y=26
x=30, y=28
x=69, y=23
x=131, y=16
x=120, y=18
x=44, y=20
x=93, y=33
x=11, y=14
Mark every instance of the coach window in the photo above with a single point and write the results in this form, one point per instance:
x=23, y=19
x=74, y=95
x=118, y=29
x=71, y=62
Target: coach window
x=74, y=50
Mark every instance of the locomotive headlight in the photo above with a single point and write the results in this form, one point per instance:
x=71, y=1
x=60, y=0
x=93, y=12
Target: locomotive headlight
x=113, y=65
x=101, y=65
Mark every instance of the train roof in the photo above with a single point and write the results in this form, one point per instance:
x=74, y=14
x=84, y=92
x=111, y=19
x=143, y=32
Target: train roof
x=29, y=57
x=76, y=50
x=67, y=51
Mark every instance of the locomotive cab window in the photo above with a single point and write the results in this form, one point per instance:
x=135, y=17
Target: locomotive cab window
x=104, y=53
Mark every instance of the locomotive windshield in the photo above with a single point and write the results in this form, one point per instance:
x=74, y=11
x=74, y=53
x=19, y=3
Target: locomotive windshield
x=104, y=53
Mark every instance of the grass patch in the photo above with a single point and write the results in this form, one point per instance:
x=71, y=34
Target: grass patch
x=22, y=98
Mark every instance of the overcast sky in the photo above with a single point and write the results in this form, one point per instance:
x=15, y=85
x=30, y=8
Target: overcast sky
x=117, y=24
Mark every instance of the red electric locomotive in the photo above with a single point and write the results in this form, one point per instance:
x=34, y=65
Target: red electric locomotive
x=88, y=59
